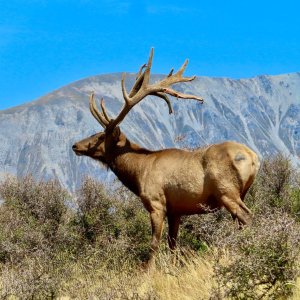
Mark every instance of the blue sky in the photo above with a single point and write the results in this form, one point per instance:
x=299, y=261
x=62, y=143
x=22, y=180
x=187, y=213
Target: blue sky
x=47, y=44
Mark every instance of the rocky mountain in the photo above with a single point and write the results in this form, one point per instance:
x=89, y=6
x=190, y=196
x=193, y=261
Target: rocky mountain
x=261, y=112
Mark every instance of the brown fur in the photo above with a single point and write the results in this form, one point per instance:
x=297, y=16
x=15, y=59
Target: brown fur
x=174, y=182
x=171, y=182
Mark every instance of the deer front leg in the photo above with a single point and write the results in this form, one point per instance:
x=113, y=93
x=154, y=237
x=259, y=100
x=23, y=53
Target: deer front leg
x=157, y=222
x=173, y=221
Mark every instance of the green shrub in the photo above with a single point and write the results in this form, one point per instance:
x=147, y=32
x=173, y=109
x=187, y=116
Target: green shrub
x=96, y=212
x=45, y=238
x=276, y=186
x=32, y=217
x=134, y=223
x=263, y=258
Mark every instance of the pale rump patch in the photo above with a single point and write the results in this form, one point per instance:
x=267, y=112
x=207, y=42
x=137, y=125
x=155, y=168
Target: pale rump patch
x=240, y=156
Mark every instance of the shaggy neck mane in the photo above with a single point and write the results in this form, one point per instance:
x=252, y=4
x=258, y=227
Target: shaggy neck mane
x=128, y=163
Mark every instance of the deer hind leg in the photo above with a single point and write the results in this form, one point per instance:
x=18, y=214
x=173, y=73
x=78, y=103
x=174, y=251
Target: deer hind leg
x=237, y=208
x=243, y=194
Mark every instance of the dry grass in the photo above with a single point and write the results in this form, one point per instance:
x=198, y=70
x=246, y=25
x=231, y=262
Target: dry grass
x=191, y=277
x=93, y=249
x=296, y=293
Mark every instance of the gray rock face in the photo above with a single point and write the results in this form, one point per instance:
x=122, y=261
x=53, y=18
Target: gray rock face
x=262, y=112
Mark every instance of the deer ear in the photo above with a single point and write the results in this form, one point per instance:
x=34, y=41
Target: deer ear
x=119, y=140
x=116, y=133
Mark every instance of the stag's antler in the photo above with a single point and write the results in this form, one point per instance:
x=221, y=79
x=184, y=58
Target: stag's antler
x=140, y=90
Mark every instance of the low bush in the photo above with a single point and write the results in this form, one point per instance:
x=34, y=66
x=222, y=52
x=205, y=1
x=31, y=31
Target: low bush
x=33, y=218
x=263, y=258
x=52, y=242
x=115, y=222
x=277, y=186
x=96, y=214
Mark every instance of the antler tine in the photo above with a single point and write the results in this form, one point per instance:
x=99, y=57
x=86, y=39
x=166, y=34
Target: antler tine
x=183, y=67
x=181, y=95
x=163, y=86
x=124, y=92
x=91, y=102
x=143, y=88
x=171, y=72
x=142, y=79
x=104, y=110
x=177, y=77
x=148, y=69
x=95, y=112
x=140, y=71
x=138, y=81
x=166, y=98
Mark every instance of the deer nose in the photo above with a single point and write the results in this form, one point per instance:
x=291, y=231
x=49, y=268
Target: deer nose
x=74, y=147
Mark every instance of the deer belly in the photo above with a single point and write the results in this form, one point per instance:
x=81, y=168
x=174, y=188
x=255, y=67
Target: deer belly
x=186, y=198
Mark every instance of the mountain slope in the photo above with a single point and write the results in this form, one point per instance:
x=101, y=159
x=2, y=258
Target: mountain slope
x=261, y=112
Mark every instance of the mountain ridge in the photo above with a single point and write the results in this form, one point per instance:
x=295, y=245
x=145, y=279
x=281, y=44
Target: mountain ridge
x=118, y=75
x=262, y=112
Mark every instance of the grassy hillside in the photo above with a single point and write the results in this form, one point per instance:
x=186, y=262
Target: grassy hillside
x=94, y=245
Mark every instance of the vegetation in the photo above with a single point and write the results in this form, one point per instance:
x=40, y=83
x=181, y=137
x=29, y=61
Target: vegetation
x=93, y=245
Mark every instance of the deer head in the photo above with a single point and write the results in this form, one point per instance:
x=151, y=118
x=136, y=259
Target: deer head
x=104, y=145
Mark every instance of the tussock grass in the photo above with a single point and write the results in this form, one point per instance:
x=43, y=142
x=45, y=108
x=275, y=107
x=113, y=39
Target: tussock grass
x=296, y=290
x=94, y=245
x=191, y=277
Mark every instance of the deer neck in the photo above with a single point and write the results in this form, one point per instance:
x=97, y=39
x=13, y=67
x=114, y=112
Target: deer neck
x=128, y=163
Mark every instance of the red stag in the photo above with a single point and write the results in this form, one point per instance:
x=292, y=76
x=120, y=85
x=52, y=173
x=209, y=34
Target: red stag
x=171, y=182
